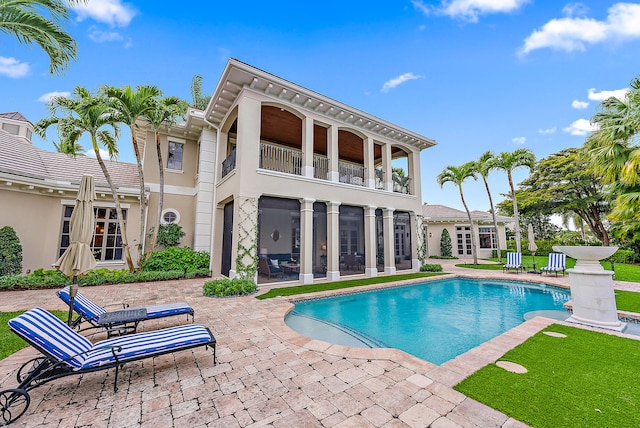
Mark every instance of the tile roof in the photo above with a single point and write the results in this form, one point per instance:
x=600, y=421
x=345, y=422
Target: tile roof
x=14, y=115
x=21, y=158
x=443, y=212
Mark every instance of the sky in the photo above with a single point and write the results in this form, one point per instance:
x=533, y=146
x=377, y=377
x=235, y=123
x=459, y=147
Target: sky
x=474, y=75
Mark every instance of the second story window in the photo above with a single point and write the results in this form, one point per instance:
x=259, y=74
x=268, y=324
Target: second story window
x=174, y=161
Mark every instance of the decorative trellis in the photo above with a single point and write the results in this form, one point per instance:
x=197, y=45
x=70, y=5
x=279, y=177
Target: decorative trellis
x=247, y=257
x=420, y=239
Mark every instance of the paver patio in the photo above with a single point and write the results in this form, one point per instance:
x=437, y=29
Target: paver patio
x=267, y=374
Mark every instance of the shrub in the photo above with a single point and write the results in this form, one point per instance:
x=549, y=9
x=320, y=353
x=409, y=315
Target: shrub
x=176, y=259
x=624, y=256
x=430, y=268
x=169, y=235
x=10, y=252
x=444, y=257
x=229, y=287
x=445, y=243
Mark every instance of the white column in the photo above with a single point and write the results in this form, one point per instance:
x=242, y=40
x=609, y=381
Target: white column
x=332, y=153
x=389, y=241
x=369, y=170
x=416, y=229
x=306, y=241
x=205, y=191
x=370, y=250
x=333, y=241
x=386, y=167
x=307, y=147
x=413, y=162
x=248, y=142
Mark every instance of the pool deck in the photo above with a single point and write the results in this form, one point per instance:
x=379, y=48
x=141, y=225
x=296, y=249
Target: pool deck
x=267, y=374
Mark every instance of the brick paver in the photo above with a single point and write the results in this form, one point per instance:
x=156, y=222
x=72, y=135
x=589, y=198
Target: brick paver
x=267, y=374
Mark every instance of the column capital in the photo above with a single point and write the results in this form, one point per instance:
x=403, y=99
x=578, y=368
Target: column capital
x=307, y=200
x=333, y=204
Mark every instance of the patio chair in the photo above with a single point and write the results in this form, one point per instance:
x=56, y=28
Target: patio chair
x=65, y=352
x=122, y=321
x=514, y=261
x=268, y=269
x=557, y=262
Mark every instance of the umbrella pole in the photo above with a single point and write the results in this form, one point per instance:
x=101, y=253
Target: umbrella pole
x=72, y=295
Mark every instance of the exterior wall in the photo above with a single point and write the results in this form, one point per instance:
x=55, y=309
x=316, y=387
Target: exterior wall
x=37, y=219
x=435, y=229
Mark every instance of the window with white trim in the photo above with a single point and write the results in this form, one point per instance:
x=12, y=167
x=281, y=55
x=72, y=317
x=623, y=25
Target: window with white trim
x=487, y=237
x=169, y=215
x=174, y=160
x=106, y=244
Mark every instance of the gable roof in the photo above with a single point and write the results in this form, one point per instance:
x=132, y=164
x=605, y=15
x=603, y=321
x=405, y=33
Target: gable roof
x=444, y=213
x=19, y=158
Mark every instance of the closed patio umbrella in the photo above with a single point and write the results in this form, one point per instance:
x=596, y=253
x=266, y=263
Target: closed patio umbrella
x=532, y=245
x=78, y=258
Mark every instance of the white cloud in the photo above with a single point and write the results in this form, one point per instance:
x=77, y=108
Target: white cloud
x=104, y=154
x=579, y=104
x=547, y=131
x=580, y=127
x=45, y=98
x=603, y=95
x=13, y=68
x=470, y=10
x=392, y=83
x=99, y=36
x=575, y=9
x=519, y=140
x=575, y=33
x=112, y=12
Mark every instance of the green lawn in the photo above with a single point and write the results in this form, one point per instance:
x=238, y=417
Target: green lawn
x=314, y=288
x=587, y=379
x=628, y=301
x=9, y=341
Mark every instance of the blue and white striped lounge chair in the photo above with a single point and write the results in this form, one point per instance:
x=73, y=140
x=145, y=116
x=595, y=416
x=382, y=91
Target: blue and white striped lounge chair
x=65, y=352
x=557, y=262
x=514, y=261
x=95, y=314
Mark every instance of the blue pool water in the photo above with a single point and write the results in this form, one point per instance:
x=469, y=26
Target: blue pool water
x=435, y=321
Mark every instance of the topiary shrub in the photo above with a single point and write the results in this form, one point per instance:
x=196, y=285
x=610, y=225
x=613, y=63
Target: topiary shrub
x=445, y=244
x=169, y=235
x=176, y=259
x=430, y=268
x=224, y=287
x=10, y=252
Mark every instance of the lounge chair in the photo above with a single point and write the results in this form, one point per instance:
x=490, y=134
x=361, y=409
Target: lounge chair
x=514, y=261
x=268, y=269
x=122, y=321
x=65, y=352
x=557, y=262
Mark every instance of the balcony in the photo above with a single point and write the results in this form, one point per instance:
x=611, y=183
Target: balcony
x=281, y=159
x=229, y=164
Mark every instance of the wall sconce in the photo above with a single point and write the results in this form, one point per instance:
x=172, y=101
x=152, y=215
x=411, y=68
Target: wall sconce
x=430, y=234
x=323, y=247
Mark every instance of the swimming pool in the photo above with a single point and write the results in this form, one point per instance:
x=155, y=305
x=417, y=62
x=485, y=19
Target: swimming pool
x=435, y=320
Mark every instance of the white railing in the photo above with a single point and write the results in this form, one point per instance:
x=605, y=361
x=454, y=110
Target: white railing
x=281, y=159
x=351, y=173
x=320, y=167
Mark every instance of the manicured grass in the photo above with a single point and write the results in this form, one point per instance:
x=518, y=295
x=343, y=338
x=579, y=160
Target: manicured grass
x=628, y=301
x=587, y=379
x=314, y=288
x=483, y=266
x=9, y=341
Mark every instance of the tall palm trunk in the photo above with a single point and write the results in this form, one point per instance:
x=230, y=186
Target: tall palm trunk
x=121, y=223
x=473, y=232
x=154, y=237
x=495, y=222
x=143, y=199
x=516, y=215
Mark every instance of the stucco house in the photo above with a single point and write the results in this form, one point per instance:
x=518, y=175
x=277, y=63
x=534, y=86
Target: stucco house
x=275, y=170
x=439, y=217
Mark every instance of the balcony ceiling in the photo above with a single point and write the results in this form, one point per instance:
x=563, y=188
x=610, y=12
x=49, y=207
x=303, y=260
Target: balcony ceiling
x=238, y=76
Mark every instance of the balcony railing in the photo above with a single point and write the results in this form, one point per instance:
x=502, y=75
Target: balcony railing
x=320, y=167
x=281, y=159
x=229, y=164
x=351, y=173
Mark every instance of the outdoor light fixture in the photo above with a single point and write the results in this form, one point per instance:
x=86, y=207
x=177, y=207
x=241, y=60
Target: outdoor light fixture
x=430, y=234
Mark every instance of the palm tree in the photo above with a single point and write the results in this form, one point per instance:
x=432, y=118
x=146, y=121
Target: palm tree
x=398, y=176
x=85, y=113
x=164, y=112
x=24, y=19
x=457, y=175
x=615, y=153
x=199, y=100
x=68, y=148
x=130, y=105
x=508, y=162
x=484, y=165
